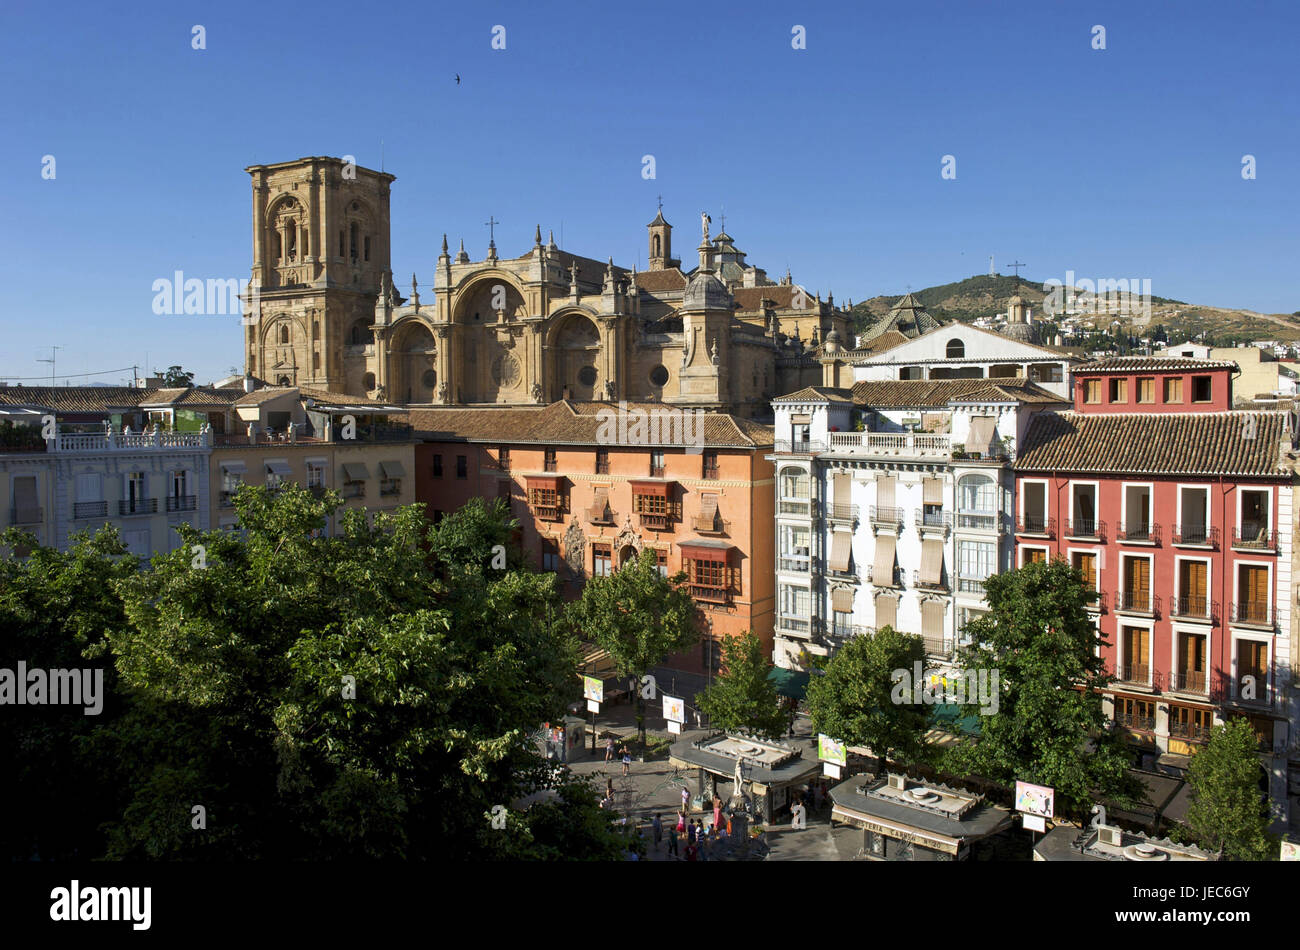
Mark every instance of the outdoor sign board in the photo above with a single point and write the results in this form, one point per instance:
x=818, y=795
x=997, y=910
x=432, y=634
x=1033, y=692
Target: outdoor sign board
x=1037, y=800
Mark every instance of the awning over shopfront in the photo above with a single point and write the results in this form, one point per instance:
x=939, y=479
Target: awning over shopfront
x=791, y=683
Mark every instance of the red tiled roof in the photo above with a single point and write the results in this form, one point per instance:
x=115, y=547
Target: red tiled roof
x=569, y=423
x=1150, y=364
x=659, y=281
x=1211, y=443
x=88, y=399
x=923, y=393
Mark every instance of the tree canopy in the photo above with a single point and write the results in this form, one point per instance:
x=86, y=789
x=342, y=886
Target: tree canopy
x=742, y=698
x=1227, y=811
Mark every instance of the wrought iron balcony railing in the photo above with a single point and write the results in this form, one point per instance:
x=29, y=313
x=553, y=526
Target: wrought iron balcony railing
x=137, y=506
x=1144, y=532
x=842, y=512
x=1254, y=538
x=978, y=520
x=89, y=509
x=1196, y=535
x=1258, y=613
x=1085, y=528
x=933, y=520
x=1139, y=723
x=799, y=446
x=798, y=565
x=1135, y=674
x=182, y=502
x=1189, y=681
x=1037, y=525
x=1194, y=608
x=1192, y=732
x=1136, y=601
x=886, y=517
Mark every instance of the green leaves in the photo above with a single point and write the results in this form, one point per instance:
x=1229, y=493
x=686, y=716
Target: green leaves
x=742, y=698
x=853, y=701
x=1228, y=811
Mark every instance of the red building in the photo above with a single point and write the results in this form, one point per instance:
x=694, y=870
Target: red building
x=590, y=495
x=1179, y=511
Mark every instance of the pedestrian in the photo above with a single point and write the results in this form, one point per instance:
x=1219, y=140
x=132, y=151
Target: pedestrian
x=690, y=832
x=686, y=799
x=717, y=810
x=692, y=853
x=728, y=825
x=609, y=748
x=681, y=822
x=672, y=841
x=627, y=761
x=658, y=827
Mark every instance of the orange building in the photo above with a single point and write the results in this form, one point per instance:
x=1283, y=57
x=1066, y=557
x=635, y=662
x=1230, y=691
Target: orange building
x=592, y=485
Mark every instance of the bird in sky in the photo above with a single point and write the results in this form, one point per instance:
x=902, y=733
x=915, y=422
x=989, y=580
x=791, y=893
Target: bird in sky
x=458, y=79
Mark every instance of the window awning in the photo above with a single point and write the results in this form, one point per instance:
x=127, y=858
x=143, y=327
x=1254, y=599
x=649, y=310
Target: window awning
x=705, y=550
x=933, y=491
x=841, y=551
x=600, y=505
x=886, y=611
x=708, y=513
x=841, y=488
x=932, y=562
x=391, y=470
x=983, y=429
x=356, y=471
x=932, y=612
x=544, y=482
x=234, y=467
x=842, y=600
x=655, y=489
x=885, y=490
x=882, y=570
x=278, y=467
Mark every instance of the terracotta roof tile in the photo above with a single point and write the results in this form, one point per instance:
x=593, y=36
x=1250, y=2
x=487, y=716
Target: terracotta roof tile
x=1150, y=364
x=660, y=281
x=567, y=423
x=817, y=393
x=922, y=393
x=1211, y=443
x=88, y=399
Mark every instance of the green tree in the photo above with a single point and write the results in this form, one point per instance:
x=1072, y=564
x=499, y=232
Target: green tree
x=317, y=697
x=742, y=698
x=1227, y=811
x=854, y=700
x=177, y=378
x=1049, y=727
x=639, y=616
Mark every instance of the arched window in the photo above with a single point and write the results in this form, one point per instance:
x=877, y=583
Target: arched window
x=291, y=230
x=275, y=246
x=794, y=483
x=352, y=231
x=367, y=247
x=977, y=493
x=284, y=333
x=657, y=246
x=283, y=381
x=956, y=349
x=369, y=381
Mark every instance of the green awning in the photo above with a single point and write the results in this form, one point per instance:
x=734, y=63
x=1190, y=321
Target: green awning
x=789, y=682
x=947, y=717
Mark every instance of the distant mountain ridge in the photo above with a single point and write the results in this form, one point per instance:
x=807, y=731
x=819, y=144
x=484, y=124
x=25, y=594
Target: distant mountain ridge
x=988, y=295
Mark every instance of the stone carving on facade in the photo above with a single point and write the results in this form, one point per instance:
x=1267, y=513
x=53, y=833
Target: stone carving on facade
x=442, y=392
x=611, y=389
x=627, y=537
x=575, y=549
x=536, y=392
x=713, y=352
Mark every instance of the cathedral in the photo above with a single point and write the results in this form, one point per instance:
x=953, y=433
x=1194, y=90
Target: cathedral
x=526, y=330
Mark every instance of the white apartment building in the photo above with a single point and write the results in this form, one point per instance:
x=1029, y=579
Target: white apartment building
x=897, y=523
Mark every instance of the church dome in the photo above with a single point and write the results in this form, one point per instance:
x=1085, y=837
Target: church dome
x=706, y=292
x=1022, y=332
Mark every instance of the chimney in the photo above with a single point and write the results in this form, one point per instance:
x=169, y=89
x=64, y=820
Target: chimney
x=248, y=383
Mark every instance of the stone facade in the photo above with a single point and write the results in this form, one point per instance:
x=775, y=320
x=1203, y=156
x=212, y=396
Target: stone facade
x=526, y=330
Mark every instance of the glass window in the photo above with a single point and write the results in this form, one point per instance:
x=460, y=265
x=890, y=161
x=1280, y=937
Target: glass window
x=977, y=559
x=794, y=484
x=977, y=493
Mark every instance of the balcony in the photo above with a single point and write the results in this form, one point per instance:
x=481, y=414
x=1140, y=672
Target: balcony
x=1085, y=529
x=316, y=491
x=794, y=624
x=970, y=585
x=798, y=447
x=891, y=444
x=226, y=499
x=796, y=565
x=89, y=509
x=389, y=489
x=1194, y=608
x=26, y=515
x=1251, y=538
x=1037, y=526
x=658, y=521
x=1189, y=681
x=937, y=647
x=137, y=506
x=794, y=506
x=354, y=489
x=1254, y=613
x=1145, y=532
x=103, y=442
x=709, y=595
x=551, y=511
x=1190, y=732
x=1195, y=536
x=182, y=502
x=886, y=517
x=843, y=631
x=656, y=471
x=1100, y=604
x=1134, y=674
x=605, y=516
x=1136, y=602
x=847, y=513
x=1136, y=723
x=894, y=580
x=942, y=585
x=977, y=520
x=933, y=521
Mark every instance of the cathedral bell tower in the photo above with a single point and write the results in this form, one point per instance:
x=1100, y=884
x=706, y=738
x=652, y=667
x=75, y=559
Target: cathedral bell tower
x=320, y=254
x=661, y=243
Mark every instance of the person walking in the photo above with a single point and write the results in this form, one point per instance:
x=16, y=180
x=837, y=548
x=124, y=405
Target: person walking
x=609, y=748
x=658, y=827
x=627, y=761
x=686, y=799
x=672, y=841
x=717, y=810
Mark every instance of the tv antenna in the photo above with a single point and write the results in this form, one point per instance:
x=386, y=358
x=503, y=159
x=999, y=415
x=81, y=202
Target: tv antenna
x=54, y=354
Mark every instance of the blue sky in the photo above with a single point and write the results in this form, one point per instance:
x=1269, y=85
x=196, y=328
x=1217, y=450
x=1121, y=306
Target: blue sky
x=1123, y=162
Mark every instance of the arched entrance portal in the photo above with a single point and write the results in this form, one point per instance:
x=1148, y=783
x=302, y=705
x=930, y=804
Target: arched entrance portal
x=413, y=373
x=574, y=355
